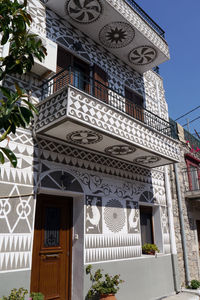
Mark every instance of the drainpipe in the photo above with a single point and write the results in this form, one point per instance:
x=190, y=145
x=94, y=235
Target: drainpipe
x=181, y=219
x=171, y=230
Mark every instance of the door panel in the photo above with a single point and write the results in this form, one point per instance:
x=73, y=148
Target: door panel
x=51, y=265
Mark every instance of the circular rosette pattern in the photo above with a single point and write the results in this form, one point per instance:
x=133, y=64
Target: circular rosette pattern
x=142, y=55
x=147, y=160
x=84, y=137
x=116, y=35
x=114, y=215
x=84, y=11
x=120, y=150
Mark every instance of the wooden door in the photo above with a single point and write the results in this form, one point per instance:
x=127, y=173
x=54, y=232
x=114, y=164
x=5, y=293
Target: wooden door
x=134, y=104
x=198, y=233
x=51, y=265
x=100, y=84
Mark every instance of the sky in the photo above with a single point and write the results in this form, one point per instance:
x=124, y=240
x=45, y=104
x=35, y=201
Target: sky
x=180, y=19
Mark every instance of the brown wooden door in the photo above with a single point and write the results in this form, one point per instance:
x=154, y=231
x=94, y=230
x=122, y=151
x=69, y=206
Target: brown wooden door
x=51, y=265
x=134, y=104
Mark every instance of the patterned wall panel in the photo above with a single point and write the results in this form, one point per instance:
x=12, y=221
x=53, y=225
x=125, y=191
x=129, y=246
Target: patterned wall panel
x=82, y=107
x=17, y=204
x=119, y=73
x=15, y=251
x=112, y=228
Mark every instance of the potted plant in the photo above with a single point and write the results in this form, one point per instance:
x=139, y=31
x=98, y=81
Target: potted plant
x=150, y=249
x=103, y=286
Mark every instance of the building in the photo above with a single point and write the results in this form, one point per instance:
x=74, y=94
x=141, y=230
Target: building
x=90, y=186
x=186, y=206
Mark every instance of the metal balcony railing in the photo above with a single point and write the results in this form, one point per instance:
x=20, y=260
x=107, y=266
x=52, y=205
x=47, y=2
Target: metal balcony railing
x=146, y=17
x=105, y=94
x=191, y=177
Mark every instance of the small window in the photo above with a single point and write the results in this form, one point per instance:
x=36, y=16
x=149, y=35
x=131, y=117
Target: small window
x=146, y=224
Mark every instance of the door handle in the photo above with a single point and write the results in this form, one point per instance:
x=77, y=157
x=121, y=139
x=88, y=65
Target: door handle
x=46, y=256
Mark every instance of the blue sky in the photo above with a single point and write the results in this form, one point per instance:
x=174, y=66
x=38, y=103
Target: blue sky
x=180, y=20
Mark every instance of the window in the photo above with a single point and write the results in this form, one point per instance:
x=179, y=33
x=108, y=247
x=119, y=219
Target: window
x=193, y=172
x=134, y=104
x=72, y=70
x=146, y=224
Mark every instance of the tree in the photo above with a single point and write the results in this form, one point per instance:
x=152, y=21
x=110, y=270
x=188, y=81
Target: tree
x=15, y=108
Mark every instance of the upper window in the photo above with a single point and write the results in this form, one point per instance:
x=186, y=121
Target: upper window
x=193, y=171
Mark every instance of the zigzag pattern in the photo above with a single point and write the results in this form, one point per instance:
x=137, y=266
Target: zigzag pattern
x=15, y=252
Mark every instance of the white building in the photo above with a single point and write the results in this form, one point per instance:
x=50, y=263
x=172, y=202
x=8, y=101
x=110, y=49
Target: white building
x=89, y=187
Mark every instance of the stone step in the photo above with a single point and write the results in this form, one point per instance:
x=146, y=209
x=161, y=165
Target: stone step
x=183, y=296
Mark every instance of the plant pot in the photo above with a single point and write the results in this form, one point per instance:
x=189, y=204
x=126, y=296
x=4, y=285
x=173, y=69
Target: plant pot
x=108, y=297
x=149, y=252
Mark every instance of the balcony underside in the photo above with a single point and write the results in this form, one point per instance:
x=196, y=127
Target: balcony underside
x=117, y=27
x=193, y=195
x=76, y=117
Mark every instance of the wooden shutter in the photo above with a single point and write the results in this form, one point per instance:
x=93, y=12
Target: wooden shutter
x=64, y=60
x=133, y=110
x=100, y=84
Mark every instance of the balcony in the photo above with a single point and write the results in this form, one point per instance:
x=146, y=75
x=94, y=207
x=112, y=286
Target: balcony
x=191, y=177
x=81, y=110
x=120, y=26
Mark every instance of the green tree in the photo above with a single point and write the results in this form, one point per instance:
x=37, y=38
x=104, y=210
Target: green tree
x=15, y=108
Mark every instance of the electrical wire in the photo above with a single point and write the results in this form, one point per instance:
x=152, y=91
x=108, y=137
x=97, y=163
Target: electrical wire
x=191, y=121
x=187, y=113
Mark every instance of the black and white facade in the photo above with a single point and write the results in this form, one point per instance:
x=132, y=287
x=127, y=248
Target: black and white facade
x=100, y=151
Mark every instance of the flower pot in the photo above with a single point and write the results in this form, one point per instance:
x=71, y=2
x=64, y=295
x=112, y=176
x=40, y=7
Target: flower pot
x=149, y=252
x=108, y=297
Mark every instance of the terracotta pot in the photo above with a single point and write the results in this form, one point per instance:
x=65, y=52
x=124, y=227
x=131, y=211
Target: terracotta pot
x=108, y=297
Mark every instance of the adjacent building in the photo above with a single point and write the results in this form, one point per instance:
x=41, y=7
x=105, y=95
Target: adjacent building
x=90, y=186
x=186, y=206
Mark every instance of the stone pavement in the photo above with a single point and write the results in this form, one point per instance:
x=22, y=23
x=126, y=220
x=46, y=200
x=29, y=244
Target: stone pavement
x=183, y=296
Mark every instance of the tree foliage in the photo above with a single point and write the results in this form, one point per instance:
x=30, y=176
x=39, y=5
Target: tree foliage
x=15, y=108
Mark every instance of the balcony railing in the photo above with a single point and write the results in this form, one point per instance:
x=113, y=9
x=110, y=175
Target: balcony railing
x=191, y=177
x=146, y=17
x=105, y=94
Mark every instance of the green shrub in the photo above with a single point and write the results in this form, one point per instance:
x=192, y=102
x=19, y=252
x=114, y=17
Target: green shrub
x=37, y=296
x=19, y=294
x=102, y=286
x=149, y=249
x=16, y=294
x=194, y=284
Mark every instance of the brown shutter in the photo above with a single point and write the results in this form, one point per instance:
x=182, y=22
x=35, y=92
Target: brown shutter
x=133, y=110
x=64, y=59
x=100, y=84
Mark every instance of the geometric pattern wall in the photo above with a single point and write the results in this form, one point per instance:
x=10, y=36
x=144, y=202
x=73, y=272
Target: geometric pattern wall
x=112, y=229
x=17, y=205
x=119, y=74
x=117, y=234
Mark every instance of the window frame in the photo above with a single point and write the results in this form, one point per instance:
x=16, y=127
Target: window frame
x=194, y=162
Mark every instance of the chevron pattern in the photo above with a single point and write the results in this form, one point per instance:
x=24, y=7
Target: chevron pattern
x=15, y=252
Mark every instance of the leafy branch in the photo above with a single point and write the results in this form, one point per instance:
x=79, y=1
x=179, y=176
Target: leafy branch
x=15, y=108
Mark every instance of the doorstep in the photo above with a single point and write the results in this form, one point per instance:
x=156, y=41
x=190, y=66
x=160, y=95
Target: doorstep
x=183, y=296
